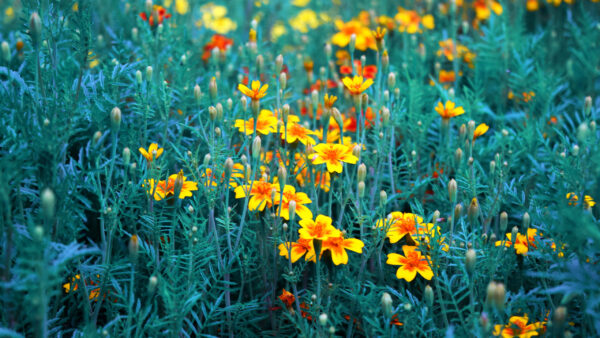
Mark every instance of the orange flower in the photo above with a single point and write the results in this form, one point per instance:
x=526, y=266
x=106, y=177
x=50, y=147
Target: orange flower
x=338, y=245
x=368, y=72
x=329, y=101
x=411, y=22
x=290, y=194
x=333, y=155
x=159, y=13
x=298, y=249
x=399, y=224
x=266, y=124
x=296, y=132
x=522, y=242
x=379, y=34
x=153, y=152
x=217, y=41
x=260, y=194
x=166, y=188
x=449, y=110
x=483, y=10
x=356, y=85
x=411, y=263
x=257, y=92
x=480, y=130
x=364, y=39
x=287, y=298
x=320, y=228
x=517, y=327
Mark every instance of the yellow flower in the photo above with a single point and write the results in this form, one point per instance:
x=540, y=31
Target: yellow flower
x=329, y=100
x=533, y=5
x=400, y=224
x=449, y=110
x=305, y=20
x=356, y=85
x=411, y=22
x=480, y=130
x=260, y=194
x=153, y=152
x=266, y=124
x=300, y=3
x=214, y=18
x=588, y=201
x=484, y=8
x=517, y=327
x=277, y=31
x=333, y=155
x=290, y=194
x=298, y=249
x=364, y=38
x=411, y=263
x=522, y=242
x=256, y=93
x=338, y=245
x=296, y=132
x=320, y=228
x=166, y=188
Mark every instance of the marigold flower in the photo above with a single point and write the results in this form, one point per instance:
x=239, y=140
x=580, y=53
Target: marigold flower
x=257, y=92
x=411, y=22
x=166, y=188
x=260, y=194
x=296, y=132
x=480, y=130
x=329, y=100
x=484, y=8
x=153, y=152
x=298, y=249
x=265, y=124
x=333, y=155
x=159, y=13
x=518, y=327
x=217, y=41
x=290, y=194
x=379, y=33
x=522, y=242
x=287, y=298
x=400, y=224
x=448, y=110
x=320, y=228
x=338, y=245
x=411, y=263
x=364, y=39
x=357, y=85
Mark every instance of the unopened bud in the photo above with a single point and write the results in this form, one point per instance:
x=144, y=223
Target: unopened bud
x=115, y=118
x=452, y=190
x=35, y=27
x=458, y=210
x=256, y=146
x=207, y=159
x=228, y=167
x=283, y=80
x=587, y=105
x=428, y=295
x=134, y=247
x=6, y=51
x=526, y=221
x=473, y=212
x=458, y=155
x=278, y=63
x=126, y=156
x=138, y=77
x=503, y=221
x=212, y=88
x=197, y=93
x=383, y=198
x=352, y=43
x=152, y=283
x=356, y=150
x=361, y=172
x=361, y=189
x=582, y=132
x=292, y=210
x=492, y=167
x=282, y=175
x=470, y=259
x=149, y=72
x=323, y=319
x=391, y=80
x=560, y=316
x=386, y=304
x=48, y=201
x=212, y=113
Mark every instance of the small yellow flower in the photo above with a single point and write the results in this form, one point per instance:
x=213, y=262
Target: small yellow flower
x=411, y=263
x=357, y=84
x=333, y=155
x=480, y=130
x=448, y=110
x=153, y=152
x=265, y=124
x=329, y=100
x=257, y=92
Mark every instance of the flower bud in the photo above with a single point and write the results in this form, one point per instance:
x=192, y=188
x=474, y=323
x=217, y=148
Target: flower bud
x=470, y=259
x=134, y=34
x=361, y=172
x=48, y=201
x=152, y=283
x=560, y=316
x=526, y=221
x=452, y=190
x=386, y=304
x=575, y=150
x=458, y=155
x=382, y=198
x=38, y=233
x=228, y=167
x=428, y=295
x=473, y=212
x=458, y=210
x=492, y=167
x=503, y=221
x=391, y=81
x=499, y=296
x=352, y=43
x=323, y=319
x=197, y=93
x=212, y=88
x=337, y=116
x=134, y=247
x=6, y=51
x=256, y=146
x=283, y=80
x=212, y=113
x=587, y=105
x=361, y=189
x=35, y=27
x=282, y=176
x=138, y=77
x=356, y=150
x=126, y=156
x=178, y=185
x=115, y=118
x=278, y=63
x=328, y=50
x=149, y=73
x=207, y=159
x=292, y=210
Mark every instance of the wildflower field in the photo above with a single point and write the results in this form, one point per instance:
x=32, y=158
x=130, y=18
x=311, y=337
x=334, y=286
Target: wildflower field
x=313, y=168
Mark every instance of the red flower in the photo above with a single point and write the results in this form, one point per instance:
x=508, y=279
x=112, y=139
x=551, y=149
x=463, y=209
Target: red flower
x=159, y=13
x=217, y=41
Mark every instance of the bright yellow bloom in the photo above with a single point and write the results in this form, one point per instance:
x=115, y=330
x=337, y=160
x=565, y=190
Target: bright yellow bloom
x=153, y=152
x=588, y=201
x=337, y=246
x=266, y=124
x=522, y=243
x=260, y=194
x=214, y=18
x=483, y=10
x=400, y=224
x=333, y=155
x=320, y=228
x=298, y=249
x=257, y=92
x=480, y=130
x=411, y=22
x=356, y=85
x=329, y=100
x=364, y=39
x=166, y=188
x=411, y=263
x=305, y=20
x=533, y=5
x=296, y=132
x=449, y=110
x=290, y=194
x=517, y=327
